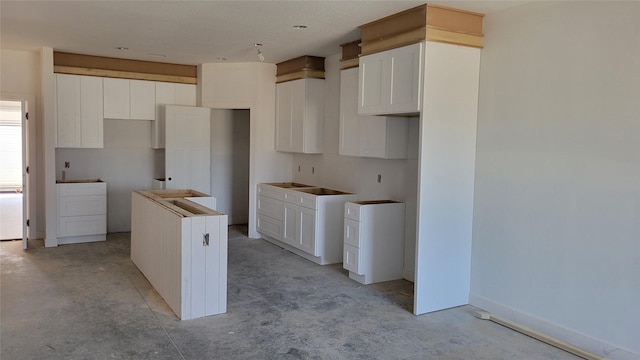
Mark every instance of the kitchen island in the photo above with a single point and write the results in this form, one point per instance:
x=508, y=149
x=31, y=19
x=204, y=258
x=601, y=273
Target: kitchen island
x=181, y=248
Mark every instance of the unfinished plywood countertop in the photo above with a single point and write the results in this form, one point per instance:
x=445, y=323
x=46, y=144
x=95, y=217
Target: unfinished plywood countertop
x=183, y=202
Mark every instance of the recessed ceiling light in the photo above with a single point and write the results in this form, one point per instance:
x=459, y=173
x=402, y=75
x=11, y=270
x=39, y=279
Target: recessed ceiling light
x=122, y=48
x=222, y=59
x=299, y=27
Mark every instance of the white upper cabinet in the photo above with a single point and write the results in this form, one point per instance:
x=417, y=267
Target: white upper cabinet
x=116, y=98
x=390, y=81
x=169, y=94
x=300, y=116
x=368, y=136
x=129, y=99
x=79, y=118
x=143, y=100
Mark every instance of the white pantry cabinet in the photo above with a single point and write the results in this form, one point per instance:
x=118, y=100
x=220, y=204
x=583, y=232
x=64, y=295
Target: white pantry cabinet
x=129, y=99
x=79, y=119
x=383, y=137
x=391, y=81
x=374, y=240
x=169, y=94
x=82, y=212
x=300, y=116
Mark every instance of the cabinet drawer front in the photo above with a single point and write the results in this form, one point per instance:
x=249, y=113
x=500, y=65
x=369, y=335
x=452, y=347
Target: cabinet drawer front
x=351, y=259
x=291, y=197
x=82, y=205
x=352, y=233
x=82, y=225
x=269, y=226
x=352, y=211
x=270, y=207
x=270, y=191
x=81, y=189
x=308, y=201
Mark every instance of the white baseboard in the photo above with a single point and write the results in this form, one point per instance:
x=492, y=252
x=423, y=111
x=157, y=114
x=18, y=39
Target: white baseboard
x=552, y=330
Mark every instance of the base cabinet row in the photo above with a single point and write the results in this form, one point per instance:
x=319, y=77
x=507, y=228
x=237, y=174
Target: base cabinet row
x=309, y=225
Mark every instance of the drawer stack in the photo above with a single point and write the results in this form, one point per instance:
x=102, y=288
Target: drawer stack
x=82, y=212
x=374, y=240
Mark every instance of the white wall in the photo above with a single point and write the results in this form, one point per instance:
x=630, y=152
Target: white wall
x=249, y=86
x=126, y=163
x=360, y=175
x=20, y=74
x=230, y=163
x=556, y=238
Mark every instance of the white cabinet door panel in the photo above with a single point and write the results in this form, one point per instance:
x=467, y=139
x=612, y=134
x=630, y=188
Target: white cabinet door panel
x=188, y=148
x=307, y=230
x=142, y=100
x=373, y=84
x=404, y=95
x=91, y=110
x=68, y=110
x=116, y=98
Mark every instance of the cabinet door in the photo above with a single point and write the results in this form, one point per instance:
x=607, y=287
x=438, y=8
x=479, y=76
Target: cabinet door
x=307, y=228
x=188, y=148
x=68, y=110
x=91, y=110
x=349, y=118
x=289, y=224
x=185, y=94
x=404, y=79
x=116, y=98
x=142, y=100
x=283, y=117
x=298, y=103
x=373, y=85
x=165, y=95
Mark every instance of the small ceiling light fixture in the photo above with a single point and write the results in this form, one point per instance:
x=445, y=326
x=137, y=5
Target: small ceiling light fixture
x=122, y=48
x=259, y=50
x=299, y=27
x=222, y=59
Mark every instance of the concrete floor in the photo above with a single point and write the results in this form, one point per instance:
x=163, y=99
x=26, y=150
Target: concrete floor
x=88, y=301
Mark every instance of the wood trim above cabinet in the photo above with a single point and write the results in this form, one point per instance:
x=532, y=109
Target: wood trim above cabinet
x=66, y=63
x=350, y=55
x=300, y=68
x=425, y=22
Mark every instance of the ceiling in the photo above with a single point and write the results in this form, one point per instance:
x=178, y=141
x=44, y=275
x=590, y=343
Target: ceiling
x=195, y=32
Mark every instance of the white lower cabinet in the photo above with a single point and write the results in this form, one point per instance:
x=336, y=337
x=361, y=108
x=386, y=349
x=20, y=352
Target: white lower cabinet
x=374, y=240
x=82, y=212
x=181, y=248
x=305, y=221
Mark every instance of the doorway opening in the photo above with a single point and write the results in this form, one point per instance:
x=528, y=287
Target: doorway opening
x=230, y=145
x=12, y=177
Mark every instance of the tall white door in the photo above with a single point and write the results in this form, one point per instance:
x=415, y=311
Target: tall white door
x=188, y=148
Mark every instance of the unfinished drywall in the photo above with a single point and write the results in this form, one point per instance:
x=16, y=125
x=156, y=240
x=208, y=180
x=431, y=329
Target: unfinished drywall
x=360, y=175
x=556, y=235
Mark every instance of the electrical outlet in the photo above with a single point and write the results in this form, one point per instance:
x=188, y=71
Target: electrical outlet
x=379, y=179
x=298, y=168
x=313, y=170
